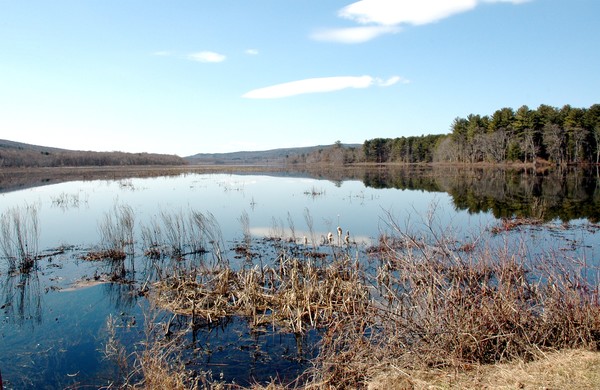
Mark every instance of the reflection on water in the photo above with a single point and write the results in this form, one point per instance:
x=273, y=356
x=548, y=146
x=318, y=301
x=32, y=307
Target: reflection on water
x=21, y=299
x=54, y=337
x=564, y=194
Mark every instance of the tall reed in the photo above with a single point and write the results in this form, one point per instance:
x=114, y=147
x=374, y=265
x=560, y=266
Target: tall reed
x=116, y=230
x=436, y=305
x=19, y=237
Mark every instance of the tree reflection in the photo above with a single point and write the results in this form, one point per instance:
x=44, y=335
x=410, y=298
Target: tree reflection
x=564, y=194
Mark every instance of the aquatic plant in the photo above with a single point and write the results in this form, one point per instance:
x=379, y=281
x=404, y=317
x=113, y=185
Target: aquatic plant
x=116, y=230
x=19, y=237
x=209, y=226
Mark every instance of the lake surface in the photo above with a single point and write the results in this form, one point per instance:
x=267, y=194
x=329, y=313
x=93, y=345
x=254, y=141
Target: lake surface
x=53, y=334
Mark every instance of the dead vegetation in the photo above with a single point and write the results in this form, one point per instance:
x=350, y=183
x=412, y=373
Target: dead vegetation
x=294, y=296
x=422, y=312
x=567, y=369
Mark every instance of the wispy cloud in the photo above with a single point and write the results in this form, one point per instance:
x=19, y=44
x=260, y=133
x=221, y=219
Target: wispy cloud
x=207, y=56
x=319, y=85
x=251, y=52
x=353, y=34
x=378, y=17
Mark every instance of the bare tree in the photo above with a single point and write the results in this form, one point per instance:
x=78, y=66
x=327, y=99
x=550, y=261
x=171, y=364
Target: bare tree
x=553, y=138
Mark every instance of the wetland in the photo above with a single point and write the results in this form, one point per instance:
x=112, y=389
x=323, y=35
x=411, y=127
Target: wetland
x=188, y=277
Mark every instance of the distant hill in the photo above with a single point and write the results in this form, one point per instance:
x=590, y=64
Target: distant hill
x=18, y=154
x=8, y=145
x=272, y=156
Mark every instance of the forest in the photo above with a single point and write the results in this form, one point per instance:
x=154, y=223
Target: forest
x=546, y=135
x=22, y=157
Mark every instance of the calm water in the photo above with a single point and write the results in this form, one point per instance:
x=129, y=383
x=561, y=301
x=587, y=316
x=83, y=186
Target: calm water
x=52, y=335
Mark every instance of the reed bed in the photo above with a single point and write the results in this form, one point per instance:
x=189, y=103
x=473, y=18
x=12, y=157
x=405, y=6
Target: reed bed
x=440, y=307
x=294, y=296
x=422, y=301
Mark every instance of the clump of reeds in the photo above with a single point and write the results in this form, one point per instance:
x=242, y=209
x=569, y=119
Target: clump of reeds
x=507, y=224
x=208, y=295
x=117, y=239
x=294, y=296
x=19, y=237
x=173, y=234
x=116, y=232
x=440, y=306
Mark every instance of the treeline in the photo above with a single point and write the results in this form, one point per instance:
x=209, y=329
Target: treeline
x=403, y=149
x=16, y=157
x=561, y=136
x=337, y=154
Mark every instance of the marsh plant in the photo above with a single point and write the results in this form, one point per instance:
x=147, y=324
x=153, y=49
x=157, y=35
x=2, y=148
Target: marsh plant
x=211, y=230
x=438, y=305
x=181, y=234
x=19, y=237
x=423, y=300
x=116, y=231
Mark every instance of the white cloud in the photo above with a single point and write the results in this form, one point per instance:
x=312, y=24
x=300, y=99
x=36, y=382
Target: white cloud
x=391, y=81
x=379, y=17
x=353, y=34
x=207, y=56
x=251, y=52
x=416, y=12
x=318, y=85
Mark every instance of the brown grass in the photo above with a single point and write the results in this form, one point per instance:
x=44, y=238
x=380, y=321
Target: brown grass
x=567, y=369
x=426, y=313
x=295, y=296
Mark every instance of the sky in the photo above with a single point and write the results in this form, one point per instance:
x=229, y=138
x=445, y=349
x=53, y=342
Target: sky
x=197, y=76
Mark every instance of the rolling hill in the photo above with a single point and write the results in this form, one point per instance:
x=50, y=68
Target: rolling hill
x=18, y=154
x=272, y=156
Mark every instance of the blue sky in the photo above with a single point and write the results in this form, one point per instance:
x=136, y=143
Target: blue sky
x=197, y=76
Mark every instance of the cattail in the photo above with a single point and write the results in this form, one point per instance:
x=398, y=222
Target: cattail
x=329, y=237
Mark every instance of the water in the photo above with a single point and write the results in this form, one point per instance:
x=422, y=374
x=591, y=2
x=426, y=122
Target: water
x=53, y=335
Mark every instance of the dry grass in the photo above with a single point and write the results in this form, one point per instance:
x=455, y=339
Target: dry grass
x=567, y=369
x=437, y=307
x=295, y=296
x=425, y=312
